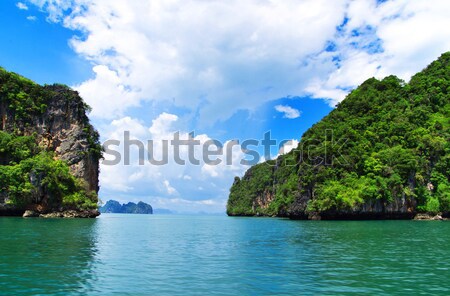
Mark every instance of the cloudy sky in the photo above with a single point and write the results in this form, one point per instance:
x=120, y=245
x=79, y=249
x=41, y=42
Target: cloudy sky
x=225, y=70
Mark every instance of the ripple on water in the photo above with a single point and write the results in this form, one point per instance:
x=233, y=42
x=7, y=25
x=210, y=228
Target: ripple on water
x=194, y=255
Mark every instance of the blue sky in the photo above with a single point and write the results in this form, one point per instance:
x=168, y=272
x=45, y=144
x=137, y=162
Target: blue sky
x=225, y=70
x=38, y=49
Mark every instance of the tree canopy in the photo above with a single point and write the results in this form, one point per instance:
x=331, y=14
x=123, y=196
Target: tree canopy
x=388, y=139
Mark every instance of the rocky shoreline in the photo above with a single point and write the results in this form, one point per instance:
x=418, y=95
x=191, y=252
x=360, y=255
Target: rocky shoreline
x=6, y=210
x=359, y=216
x=62, y=214
x=431, y=217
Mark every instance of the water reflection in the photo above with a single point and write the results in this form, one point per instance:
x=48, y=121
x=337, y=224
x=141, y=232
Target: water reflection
x=46, y=256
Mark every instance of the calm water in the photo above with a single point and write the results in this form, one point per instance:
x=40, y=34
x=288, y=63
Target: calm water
x=195, y=255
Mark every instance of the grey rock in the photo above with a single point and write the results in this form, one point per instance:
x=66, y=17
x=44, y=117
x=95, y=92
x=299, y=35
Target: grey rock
x=428, y=216
x=30, y=214
x=64, y=128
x=71, y=214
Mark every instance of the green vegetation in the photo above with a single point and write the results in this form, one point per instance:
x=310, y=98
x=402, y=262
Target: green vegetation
x=30, y=175
x=397, y=146
x=22, y=95
x=247, y=190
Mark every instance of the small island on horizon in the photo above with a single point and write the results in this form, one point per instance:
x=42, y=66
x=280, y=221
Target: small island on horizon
x=114, y=207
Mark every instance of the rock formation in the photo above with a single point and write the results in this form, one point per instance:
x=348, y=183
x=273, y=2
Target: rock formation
x=383, y=153
x=55, y=116
x=113, y=206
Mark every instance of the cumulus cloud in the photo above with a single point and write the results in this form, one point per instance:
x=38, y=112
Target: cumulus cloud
x=107, y=94
x=219, y=57
x=210, y=56
x=397, y=37
x=181, y=205
x=288, y=112
x=171, y=180
x=22, y=6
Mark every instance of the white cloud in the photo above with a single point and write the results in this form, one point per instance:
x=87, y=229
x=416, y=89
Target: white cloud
x=288, y=146
x=288, y=112
x=396, y=37
x=162, y=125
x=170, y=189
x=230, y=164
x=108, y=96
x=22, y=6
x=218, y=57
x=32, y=18
x=214, y=57
x=181, y=205
x=171, y=180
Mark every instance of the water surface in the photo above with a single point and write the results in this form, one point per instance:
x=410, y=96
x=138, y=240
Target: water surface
x=215, y=255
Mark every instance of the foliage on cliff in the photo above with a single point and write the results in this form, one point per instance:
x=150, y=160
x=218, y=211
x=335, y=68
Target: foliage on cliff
x=387, y=140
x=31, y=174
x=27, y=98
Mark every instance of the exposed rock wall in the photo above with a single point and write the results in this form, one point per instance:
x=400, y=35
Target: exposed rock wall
x=63, y=128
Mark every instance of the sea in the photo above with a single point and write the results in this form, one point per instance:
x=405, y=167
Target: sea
x=119, y=254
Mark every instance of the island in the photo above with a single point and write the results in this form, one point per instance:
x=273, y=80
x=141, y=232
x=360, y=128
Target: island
x=382, y=153
x=163, y=212
x=113, y=206
x=49, y=151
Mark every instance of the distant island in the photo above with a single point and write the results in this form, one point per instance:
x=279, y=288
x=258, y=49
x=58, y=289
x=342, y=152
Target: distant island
x=113, y=206
x=163, y=212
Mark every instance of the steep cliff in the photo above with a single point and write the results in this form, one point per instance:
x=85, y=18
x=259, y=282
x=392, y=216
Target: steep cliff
x=383, y=153
x=49, y=152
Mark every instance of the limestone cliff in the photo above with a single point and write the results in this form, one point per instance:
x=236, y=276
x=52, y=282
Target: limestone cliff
x=55, y=116
x=63, y=127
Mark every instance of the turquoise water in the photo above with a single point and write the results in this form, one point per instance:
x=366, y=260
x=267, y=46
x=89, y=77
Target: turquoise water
x=201, y=255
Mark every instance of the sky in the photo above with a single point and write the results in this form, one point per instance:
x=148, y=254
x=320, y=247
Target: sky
x=220, y=70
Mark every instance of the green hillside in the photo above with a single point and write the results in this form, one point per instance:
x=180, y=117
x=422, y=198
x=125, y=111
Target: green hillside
x=384, y=152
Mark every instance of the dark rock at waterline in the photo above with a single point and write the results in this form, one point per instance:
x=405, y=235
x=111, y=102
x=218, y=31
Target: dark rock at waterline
x=8, y=210
x=62, y=214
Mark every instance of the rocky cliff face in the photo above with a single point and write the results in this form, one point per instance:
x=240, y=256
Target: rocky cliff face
x=62, y=127
x=398, y=208
x=49, y=151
